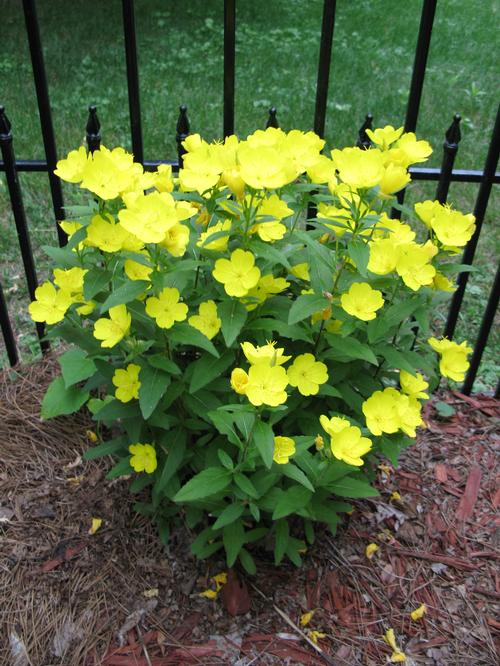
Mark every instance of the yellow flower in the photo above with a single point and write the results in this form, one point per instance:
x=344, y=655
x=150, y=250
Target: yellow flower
x=166, y=308
x=274, y=207
x=346, y=442
x=413, y=385
x=72, y=167
x=87, y=308
x=301, y=271
x=359, y=168
x=265, y=354
x=397, y=655
x=267, y=286
x=269, y=231
x=306, y=618
x=284, y=447
x=265, y=167
x=362, y=301
x=206, y=321
x=370, y=550
x=427, y=210
x=114, y=329
x=307, y=374
x=238, y=274
x=220, y=243
x=163, y=178
x=398, y=232
x=452, y=228
x=219, y=580
x=70, y=280
x=135, y=270
x=302, y=148
x=413, y=151
x=149, y=216
x=105, y=234
x=319, y=442
x=50, y=305
x=453, y=362
x=418, y=613
x=127, y=383
x=239, y=381
x=109, y=173
x=322, y=170
x=384, y=136
x=176, y=240
x=394, y=178
x=143, y=458
x=442, y=283
x=266, y=385
x=381, y=411
x=413, y=264
x=384, y=254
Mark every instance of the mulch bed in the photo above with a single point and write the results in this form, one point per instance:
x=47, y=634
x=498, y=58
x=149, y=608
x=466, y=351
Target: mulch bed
x=119, y=598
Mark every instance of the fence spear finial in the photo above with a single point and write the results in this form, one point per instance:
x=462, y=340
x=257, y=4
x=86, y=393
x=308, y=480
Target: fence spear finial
x=5, y=125
x=363, y=139
x=93, y=130
x=453, y=134
x=183, y=130
x=272, y=121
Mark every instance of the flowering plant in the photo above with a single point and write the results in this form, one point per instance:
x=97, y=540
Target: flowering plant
x=249, y=329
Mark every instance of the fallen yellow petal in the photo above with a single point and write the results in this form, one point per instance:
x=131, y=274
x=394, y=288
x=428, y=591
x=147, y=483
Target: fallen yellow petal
x=75, y=480
x=91, y=436
x=390, y=639
x=370, y=550
x=314, y=635
x=150, y=594
x=96, y=524
x=209, y=594
x=220, y=580
x=395, y=497
x=306, y=618
x=419, y=612
x=386, y=469
x=398, y=657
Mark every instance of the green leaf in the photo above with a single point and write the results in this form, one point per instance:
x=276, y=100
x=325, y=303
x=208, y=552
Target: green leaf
x=124, y=294
x=233, y=316
x=95, y=281
x=63, y=257
x=208, y=368
x=348, y=348
x=59, y=400
x=244, y=422
x=263, y=438
x=173, y=460
x=106, y=448
x=224, y=422
x=154, y=383
x=201, y=403
x=187, y=335
x=306, y=305
x=233, y=538
x=444, y=409
x=350, y=487
x=395, y=358
x=76, y=366
x=225, y=459
x=81, y=337
x=281, y=537
x=247, y=562
x=164, y=363
x=244, y=483
x=114, y=409
x=378, y=328
x=122, y=468
x=208, y=482
x=231, y=513
x=292, y=500
x=296, y=474
x=360, y=254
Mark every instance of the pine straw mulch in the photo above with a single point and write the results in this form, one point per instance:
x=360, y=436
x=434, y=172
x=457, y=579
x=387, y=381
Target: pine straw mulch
x=118, y=598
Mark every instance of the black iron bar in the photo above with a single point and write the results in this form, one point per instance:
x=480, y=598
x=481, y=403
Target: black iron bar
x=8, y=335
x=182, y=131
x=417, y=77
x=482, y=337
x=363, y=140
x=479, y=213
x=497, y=390
x=229, y=64
x=325, y=56
x=93, y=130
x=42, y=94
x=272, y=120
x=134, y=103
x=17, y=205
x=450, y=149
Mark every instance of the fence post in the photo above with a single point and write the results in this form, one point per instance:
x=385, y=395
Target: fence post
x=17, y=205
x=42, y=94
x=8, y=335
x=134, y=103
x=450, y=149
x=482, y=337
x=272, y=121
x=325, y=56
x=479, y=212
x=93, y=130
x=363, y=140
x=229, y=64
x=182, y=131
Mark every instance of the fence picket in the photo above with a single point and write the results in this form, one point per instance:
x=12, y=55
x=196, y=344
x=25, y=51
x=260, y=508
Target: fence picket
x=450, y=149
x=132, y=78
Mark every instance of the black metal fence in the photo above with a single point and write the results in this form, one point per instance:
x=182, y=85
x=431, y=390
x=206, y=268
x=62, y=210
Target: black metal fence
x=443, y=176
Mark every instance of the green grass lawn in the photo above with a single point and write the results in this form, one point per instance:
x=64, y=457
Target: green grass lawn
x=180, y=61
